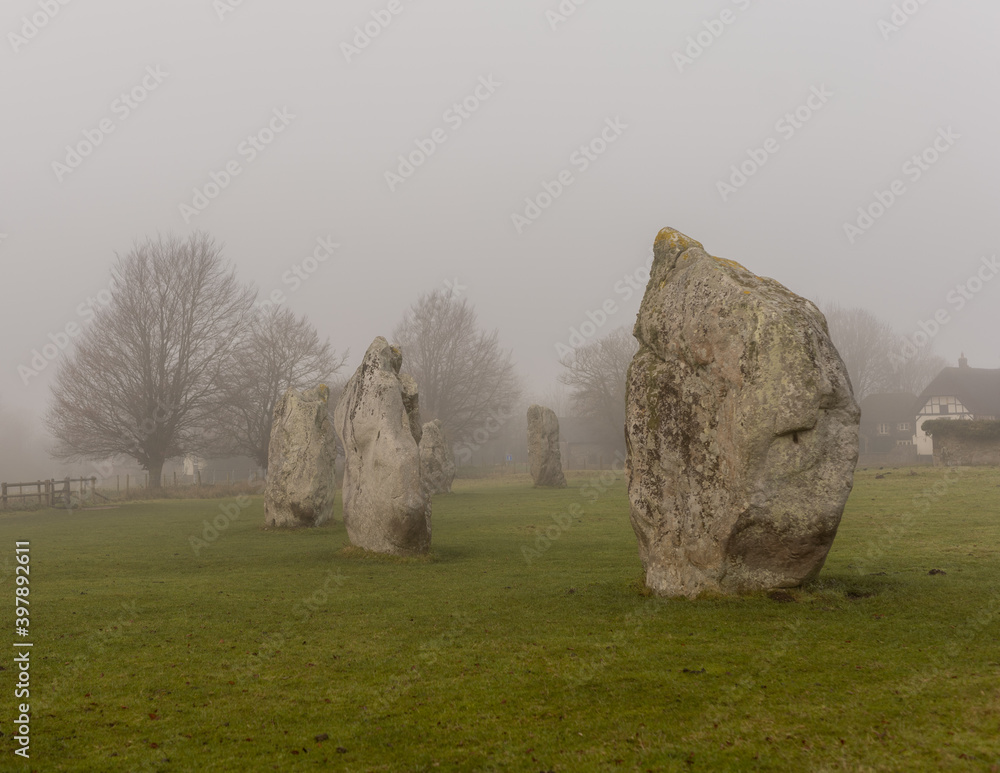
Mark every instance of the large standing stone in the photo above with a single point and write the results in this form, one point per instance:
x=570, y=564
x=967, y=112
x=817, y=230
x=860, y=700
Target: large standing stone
x=437, y=465
x=741, y=426
x=301, y=481
x=543, y=447
x=386, y=508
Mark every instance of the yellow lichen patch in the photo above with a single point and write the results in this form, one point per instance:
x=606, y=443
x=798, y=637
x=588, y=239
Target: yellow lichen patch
x=732, y=263
x=677, y=241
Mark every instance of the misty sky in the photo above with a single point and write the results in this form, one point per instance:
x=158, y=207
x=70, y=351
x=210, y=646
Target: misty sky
x=266, y=88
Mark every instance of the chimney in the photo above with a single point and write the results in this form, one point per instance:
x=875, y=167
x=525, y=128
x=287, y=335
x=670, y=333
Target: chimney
x=962, y=362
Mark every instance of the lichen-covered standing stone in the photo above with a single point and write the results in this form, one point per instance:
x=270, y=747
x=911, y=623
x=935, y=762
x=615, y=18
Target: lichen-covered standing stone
x=741, y=426
x=544, y=458
x=301, y=481
x=386, y=507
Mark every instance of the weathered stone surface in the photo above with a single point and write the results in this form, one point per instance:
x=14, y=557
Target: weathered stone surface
x=741, y=426
x=437, y=465
x=386, y=508
x=543, y=447
x=301, y=481
x=411, y=403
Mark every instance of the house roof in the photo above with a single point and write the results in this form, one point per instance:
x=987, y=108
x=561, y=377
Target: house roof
x=978, y=389
x=888, y=407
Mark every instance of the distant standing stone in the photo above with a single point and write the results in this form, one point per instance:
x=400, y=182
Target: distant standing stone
x=437, y=465
x=543, y=447
x=301, y=481
x=741, y=426
x=386, y=508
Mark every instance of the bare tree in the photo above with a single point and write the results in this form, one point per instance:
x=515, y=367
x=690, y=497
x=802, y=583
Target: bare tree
x=596, y=377
x=870, y=349
x=279, y=351
x=914, y=373
x=865, y=343
x=142, y=377
x=464, y=375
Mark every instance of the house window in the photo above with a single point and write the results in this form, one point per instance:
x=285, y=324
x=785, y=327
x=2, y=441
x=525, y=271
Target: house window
x=883, y=429
x=903, y=426
x=903, y=443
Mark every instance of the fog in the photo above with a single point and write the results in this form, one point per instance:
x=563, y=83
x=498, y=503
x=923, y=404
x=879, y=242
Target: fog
x=277, y=126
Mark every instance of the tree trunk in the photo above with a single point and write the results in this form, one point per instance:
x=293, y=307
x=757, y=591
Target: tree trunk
x=156, y=474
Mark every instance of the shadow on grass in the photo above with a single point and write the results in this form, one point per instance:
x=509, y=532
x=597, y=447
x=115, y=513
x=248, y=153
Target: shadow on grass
x=360, y=554
x=851, y=587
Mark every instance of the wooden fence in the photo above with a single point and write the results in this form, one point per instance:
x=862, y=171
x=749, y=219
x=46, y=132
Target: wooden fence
x=49, y=493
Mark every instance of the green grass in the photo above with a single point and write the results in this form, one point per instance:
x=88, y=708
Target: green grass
x=150, y=657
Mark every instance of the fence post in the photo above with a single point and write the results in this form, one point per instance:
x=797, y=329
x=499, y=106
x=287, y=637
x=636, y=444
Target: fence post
x=175, y=478
x=93, y=487
x=4, y=494
x=126, y=484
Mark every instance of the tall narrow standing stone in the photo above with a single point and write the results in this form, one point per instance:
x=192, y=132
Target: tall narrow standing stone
x=543, y=447
x=386, y=508
x=301, y=482
x=741, y=426
x=437, y=465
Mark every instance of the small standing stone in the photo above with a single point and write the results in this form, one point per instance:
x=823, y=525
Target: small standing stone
x=301, y=481
x=543, y=447
x=437, y=465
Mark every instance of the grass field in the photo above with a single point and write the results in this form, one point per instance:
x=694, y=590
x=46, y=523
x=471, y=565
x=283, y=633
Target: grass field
x=524, y=643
